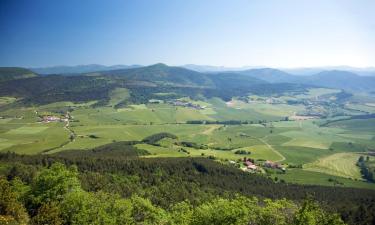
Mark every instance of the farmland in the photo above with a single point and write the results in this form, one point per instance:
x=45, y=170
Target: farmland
x=264, y=133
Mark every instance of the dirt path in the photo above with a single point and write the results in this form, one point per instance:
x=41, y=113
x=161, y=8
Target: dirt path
x=272, y=149
x=211, y=129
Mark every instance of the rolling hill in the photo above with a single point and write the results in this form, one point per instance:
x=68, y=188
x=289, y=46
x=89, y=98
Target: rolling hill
x=342, y=80
x=143, y=83
x=78, y=69
x=163, y=75
x=348, y=81
x=13, y=73
x=271, y=75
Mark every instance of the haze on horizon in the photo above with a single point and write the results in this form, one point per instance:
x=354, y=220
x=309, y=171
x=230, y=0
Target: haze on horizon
x=222, y=33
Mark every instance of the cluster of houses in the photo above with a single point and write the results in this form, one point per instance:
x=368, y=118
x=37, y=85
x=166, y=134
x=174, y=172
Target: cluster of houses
x=248, y=165
x=186, y=104
x=49, y=118
x=273, y=165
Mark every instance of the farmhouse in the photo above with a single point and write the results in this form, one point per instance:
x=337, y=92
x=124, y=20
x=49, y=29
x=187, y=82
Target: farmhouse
x=185, y=104
x=273, y=165
x=50, y=118
x=250, y=166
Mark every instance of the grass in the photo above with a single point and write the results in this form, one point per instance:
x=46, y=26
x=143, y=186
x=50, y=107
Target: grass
x=224, y=112
x=339, y=164
x=118, y=95
x=300, y=155
x=324, y=151
x=316, y=92
x=262, y=152
x=27, y=130
x=300, y=176
x=32, y=139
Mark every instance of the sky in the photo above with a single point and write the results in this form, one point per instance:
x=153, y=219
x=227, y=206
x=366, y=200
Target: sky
x=232, y=33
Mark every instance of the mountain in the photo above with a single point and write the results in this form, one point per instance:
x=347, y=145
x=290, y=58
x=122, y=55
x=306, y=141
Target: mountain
x=332, y=79
x=13, y=73
x=215, y=69
x=164, y=75
x=78, y=69
x=271, y=75
x=342, y=80
x=143, y=83
x=234, y=80
x=369, y=71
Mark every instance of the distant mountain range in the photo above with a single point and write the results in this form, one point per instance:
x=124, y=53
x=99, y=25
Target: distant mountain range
x=98, y=80
x=14, y=73
x=79, y=69
x=370, y=71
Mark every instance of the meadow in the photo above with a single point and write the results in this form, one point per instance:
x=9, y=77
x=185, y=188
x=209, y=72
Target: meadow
x=320, y=150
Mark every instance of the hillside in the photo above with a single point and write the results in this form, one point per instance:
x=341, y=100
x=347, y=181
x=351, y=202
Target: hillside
x=163, y=75
x=143, y=83
x=78, y=69
x=332, y=79
x=342, y=80
x=271, y=75
x=13, y=73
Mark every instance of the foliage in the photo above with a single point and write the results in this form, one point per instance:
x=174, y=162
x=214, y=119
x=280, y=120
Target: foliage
x=11, y=210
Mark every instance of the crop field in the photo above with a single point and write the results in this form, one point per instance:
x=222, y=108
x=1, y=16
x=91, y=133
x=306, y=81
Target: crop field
x=339, y=164
x=322, y=151
x=299, y=176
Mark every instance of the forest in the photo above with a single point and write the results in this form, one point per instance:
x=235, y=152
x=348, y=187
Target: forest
x=61, y=188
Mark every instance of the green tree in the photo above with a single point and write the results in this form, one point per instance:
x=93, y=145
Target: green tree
x=84, y=208
x=51, y=184
x=145, y=213
x=219, y=211
x=181, y=213
x=11, y=211
x=278, y=212
x=48, y=213
x=312, y=214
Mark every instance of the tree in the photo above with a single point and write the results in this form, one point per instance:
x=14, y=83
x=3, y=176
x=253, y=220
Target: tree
x=51, y=184
x=181, y=213
x=278, y=212
x=144, y=212
x=48, y=213
x=11, y=211
x=312, y=214
x=224, y=211
x=84, y=208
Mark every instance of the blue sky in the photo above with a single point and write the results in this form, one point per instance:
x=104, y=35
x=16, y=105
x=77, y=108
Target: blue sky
x=208, y=32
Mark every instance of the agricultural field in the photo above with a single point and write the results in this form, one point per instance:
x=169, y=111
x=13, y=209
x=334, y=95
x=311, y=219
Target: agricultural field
x=308, y=146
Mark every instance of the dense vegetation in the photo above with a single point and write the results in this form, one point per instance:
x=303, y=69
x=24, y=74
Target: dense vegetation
x=55, y=196
x=14, y=73
x=133, y=120
x=366, y=170
x=167, y=183
x=143, y=83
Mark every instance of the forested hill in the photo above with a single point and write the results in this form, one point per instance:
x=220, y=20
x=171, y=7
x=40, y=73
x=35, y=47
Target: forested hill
x=184, y=76
x=332, y=79
x=163, y=74
x=143, y=83
x=116, y=169
x=13, y=73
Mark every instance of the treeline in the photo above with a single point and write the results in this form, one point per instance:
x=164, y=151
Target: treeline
x=55, y=196
x=80, y=88
x=115, y=168
x=225, y=122
x=153, y=139
x=366, y=171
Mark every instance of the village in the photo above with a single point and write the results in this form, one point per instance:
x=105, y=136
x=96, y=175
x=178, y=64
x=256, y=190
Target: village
x=251, y=166
x=54, y=118
x=186, y=104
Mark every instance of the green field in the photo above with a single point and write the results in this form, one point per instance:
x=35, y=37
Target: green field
x=322, y=151
x=339, y=164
